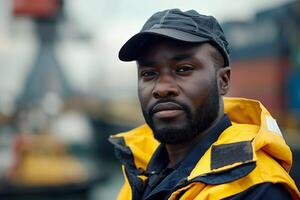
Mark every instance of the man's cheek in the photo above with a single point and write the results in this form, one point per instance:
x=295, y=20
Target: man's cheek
x=144, y=94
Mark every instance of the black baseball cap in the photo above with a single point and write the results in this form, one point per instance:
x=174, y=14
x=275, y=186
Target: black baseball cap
x=189, y=26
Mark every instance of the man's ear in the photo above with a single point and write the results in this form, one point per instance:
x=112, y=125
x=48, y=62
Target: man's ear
x=224, y=80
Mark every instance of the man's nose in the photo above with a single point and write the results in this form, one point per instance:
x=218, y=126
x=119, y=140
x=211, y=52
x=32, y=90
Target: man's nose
x=165, y=87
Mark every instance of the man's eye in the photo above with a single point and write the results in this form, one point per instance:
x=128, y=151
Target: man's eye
x=184, y=68
x=148, y=74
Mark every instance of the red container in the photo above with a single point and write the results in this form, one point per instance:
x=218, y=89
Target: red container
x=261, y=79
x=35, y=8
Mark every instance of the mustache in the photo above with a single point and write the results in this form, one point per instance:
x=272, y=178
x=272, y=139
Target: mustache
x=168, y=100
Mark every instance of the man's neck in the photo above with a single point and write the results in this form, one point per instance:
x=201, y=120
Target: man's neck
x=178, y=152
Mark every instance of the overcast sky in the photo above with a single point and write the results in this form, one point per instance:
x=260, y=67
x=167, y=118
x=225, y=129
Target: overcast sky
x=93, y=12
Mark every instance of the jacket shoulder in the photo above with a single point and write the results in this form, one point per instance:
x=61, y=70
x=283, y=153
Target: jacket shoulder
x=135, y=146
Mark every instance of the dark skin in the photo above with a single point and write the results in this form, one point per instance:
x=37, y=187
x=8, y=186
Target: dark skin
x=169, y=69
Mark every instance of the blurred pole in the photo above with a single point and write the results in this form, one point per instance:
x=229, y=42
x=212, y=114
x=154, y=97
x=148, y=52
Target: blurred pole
x=46, y=77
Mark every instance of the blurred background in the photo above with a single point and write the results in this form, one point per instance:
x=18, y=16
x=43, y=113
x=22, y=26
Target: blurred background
x=63, y=90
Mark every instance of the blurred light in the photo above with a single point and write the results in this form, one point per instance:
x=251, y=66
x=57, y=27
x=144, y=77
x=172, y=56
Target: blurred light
x=72, y=127
x=51, y=103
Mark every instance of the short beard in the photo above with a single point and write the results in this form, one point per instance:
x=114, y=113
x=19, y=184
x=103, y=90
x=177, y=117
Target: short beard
x=205, y=115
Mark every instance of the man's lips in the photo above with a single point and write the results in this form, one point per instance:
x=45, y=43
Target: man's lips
x=167, y=110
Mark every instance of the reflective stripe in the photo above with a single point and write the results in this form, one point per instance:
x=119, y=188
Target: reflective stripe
x=272, y=125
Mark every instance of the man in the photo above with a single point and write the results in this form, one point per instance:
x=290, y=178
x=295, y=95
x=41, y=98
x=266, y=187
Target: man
x=196, y=144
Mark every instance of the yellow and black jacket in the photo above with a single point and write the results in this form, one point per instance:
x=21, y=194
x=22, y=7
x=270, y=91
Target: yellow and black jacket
x=249, y=152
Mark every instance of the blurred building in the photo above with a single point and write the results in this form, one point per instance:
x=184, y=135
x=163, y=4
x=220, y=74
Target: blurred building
x=265, y=60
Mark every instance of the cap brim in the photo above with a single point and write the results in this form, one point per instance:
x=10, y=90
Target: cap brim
x=130, y=49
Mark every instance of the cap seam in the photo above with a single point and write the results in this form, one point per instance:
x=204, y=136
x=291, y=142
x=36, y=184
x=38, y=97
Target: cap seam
x=163, y=18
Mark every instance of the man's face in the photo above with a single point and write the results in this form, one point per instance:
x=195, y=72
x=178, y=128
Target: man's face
x=178, y=89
